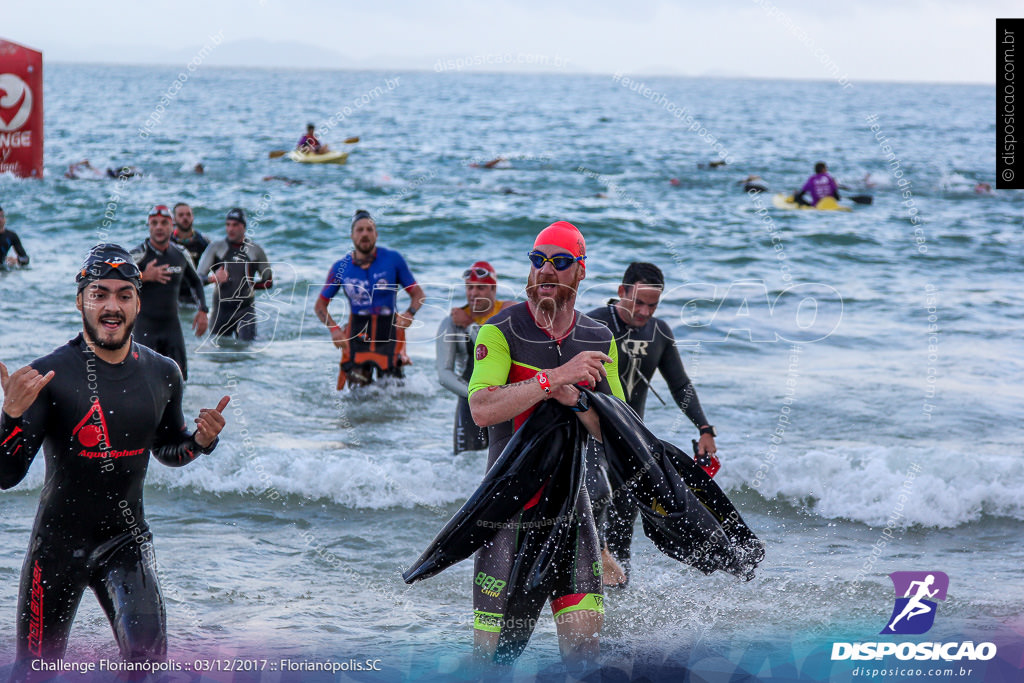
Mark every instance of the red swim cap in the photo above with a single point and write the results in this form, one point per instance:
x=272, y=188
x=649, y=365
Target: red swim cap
x=566, y=235
x=481, y=272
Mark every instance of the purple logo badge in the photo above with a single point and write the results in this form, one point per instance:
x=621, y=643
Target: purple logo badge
x=916, y=593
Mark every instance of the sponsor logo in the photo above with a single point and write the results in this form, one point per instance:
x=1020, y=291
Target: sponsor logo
x=92, y=429
x=913, y=614
x=15, y=102
x=489, y=585
x=35, y=611
x=481, y=351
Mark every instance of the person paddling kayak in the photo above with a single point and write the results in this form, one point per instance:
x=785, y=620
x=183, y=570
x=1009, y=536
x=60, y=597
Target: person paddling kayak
x=309, y=144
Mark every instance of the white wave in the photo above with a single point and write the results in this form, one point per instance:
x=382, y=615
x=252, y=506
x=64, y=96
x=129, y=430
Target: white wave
x=903, y=487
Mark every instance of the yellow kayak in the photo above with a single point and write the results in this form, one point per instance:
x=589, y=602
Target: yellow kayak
x=785, y=201
x=325, y=158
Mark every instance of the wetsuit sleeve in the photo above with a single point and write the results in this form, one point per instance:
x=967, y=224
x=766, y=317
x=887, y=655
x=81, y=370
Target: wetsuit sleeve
x=174, y=445
x=670, y=365
x=22, y=254
x=263, y=269
x=493, y=360
x=206, y=263
x=612, y=369
x=194, y=283
x=333, y=283
x=20, y=438
x=448, y=343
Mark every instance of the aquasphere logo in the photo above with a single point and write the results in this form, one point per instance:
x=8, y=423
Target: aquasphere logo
x=914, y=614
x=916, y=593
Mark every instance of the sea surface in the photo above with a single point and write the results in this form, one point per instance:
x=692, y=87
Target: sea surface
x=864, y=369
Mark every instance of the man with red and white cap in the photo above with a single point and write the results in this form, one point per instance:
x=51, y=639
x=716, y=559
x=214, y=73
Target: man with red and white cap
x=530, y=352
x=455, y=340
x=166, y=270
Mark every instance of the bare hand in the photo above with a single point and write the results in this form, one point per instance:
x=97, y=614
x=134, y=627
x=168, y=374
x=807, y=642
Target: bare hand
x=200, y=323
x=460, y=318
x=220, y=276
x=155, y=273
x=21, y=388
x=706, y=445
x=566, y=394
x=403, y=320
x=209, y=423
x=339, y=337
x=586, y=367
x=11, y=261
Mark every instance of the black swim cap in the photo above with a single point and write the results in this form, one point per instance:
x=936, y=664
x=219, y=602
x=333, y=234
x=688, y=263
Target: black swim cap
x=360, y=215
x=236, y=214
x=108, y=261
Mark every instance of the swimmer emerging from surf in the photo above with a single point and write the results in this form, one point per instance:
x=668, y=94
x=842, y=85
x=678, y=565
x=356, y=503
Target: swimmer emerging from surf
x=531, y=352
x=99, y=406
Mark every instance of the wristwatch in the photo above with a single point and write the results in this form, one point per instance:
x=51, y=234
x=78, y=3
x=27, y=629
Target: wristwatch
x=582, y=403
x=708, y=429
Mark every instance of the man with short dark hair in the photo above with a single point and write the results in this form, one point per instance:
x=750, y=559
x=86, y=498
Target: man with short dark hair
x=373, y=340
x=239, y=267
x=100, y=406
x=186, y=235
x=9, y=239
x=645, y=344
x=166, y=271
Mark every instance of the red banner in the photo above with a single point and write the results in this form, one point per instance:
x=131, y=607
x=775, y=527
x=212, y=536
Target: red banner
x=21, y=110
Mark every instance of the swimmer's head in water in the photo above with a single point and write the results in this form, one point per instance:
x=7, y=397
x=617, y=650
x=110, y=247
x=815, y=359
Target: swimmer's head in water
x=108, y=261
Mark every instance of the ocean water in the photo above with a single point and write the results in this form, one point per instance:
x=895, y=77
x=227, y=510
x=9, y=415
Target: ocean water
x=863, y=369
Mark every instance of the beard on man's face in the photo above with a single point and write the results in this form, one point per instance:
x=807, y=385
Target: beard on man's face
x=550, y=300
x=103, y=338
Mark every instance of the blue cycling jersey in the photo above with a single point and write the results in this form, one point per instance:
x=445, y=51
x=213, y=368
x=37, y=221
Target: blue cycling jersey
x=373, y=290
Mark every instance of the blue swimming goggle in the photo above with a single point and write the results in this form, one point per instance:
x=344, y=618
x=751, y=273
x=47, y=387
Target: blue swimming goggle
x=558, y=261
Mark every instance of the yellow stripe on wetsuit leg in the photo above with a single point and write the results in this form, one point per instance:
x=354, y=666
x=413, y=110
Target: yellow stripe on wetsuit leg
x=487, y=621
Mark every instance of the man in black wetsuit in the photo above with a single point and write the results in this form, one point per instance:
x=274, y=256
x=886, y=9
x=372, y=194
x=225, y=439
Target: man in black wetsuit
x=9, y=239
x=645, y=344
x=530, y=352
x=236, y=262
x=166, y=270
x=99, y=405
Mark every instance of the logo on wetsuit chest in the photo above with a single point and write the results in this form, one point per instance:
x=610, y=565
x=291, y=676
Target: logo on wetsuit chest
x=92, y=432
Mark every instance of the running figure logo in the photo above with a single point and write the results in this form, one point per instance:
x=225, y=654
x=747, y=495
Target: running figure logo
x=914, y=612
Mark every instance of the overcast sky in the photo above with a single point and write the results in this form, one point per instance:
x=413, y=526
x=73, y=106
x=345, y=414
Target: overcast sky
x=927, y=40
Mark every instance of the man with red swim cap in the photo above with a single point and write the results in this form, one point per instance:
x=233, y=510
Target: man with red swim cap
x=456, y=337
x=527, y=353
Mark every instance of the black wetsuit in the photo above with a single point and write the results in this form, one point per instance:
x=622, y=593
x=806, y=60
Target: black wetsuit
x=642, y=350
x=511, y=348
x=234, y=299
x=158, y=326
x=9, y=239
x=97, y=424
x=195, y=246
